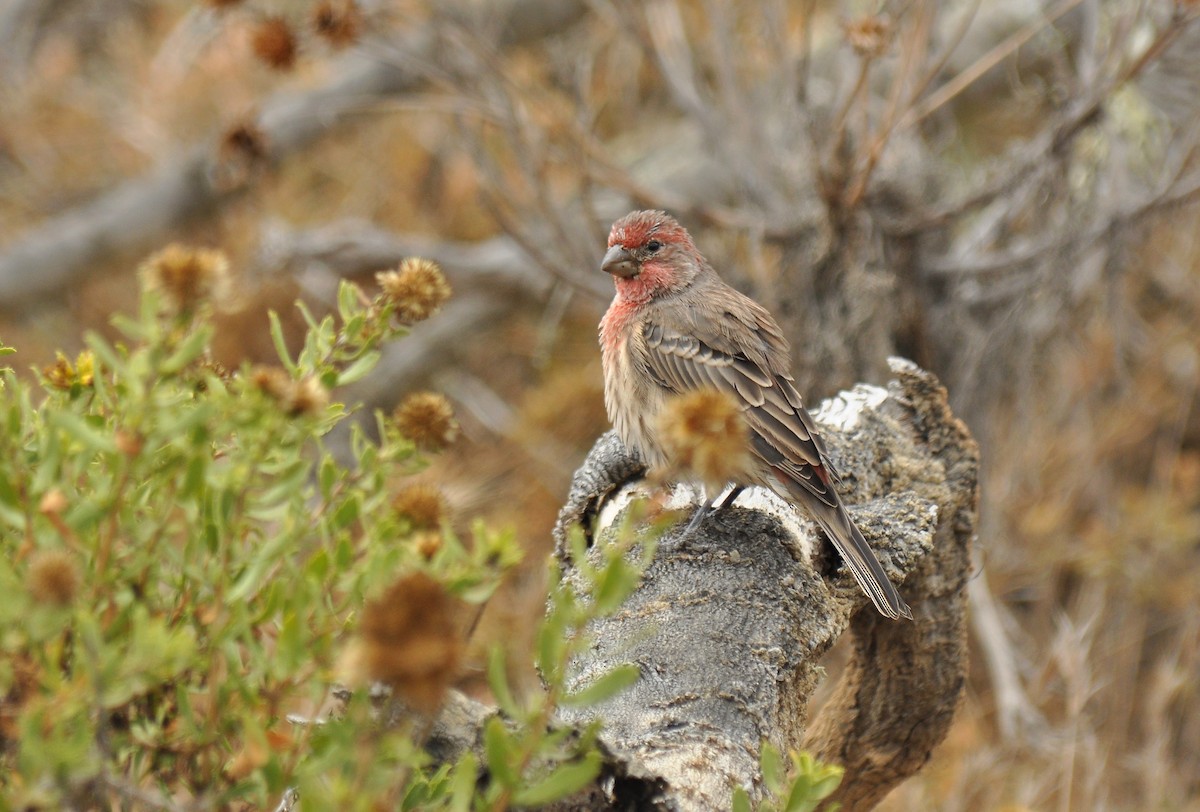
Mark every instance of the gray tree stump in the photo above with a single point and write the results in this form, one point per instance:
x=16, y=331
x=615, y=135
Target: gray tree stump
x=731, y=621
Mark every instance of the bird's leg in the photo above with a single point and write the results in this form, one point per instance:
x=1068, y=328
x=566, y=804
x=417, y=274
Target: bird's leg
x=730, y=498
x=700, y=515
x=710, y=509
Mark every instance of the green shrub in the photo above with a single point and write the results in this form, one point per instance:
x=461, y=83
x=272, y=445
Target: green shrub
x=185, y=560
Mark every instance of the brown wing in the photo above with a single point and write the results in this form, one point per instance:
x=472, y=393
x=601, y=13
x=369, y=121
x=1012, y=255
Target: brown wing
x=782, y=436
x=782, y=432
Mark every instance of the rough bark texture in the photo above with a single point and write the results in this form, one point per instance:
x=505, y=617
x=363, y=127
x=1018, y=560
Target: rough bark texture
x=730, y=623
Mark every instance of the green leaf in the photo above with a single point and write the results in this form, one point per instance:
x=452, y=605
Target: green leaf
x=813, y=783
x=552, y=646
x=195, y=476
x=772, y=767
x=462, y=783
x=281, y=349
x=265, y=557
x=498, y=682
x=291, y=648
x=563, y=781
x=106, y=356
x=741, y=801
x=824, y=787
x=605, y=687
x=131, y=328
x=308, y=316
x=578, y=546
x=346, y=514
x=327, y=476
x=360, y=368
x=188, y=351
x=348, y=299
x=799, y=797
x=500, y=749
x=81, y=429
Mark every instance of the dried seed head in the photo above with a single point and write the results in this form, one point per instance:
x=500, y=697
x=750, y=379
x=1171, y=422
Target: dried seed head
x=274, y=43
x=417, y=289
x=241, y=153
x=427, y=419
x=427, y=544
x=422, y=505
x=245, y=140
x=705, y=436
x=305, y=396
x=53, y=577
x=187, y=277
x=271, y=381
x=410, y=640
x=868, y=35
x=338, y=22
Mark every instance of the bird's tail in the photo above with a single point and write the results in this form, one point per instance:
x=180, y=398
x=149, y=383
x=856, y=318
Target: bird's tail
x=860, y=558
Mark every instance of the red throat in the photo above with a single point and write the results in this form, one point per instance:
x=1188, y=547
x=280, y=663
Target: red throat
x=640, y=289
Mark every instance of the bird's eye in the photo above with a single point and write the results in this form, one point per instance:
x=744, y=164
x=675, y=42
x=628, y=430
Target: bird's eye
x=653, y=246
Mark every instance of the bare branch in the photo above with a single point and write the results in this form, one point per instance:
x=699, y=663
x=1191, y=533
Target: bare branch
x=144, y=210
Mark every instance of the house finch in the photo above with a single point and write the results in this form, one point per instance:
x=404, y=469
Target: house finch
x=674, y=327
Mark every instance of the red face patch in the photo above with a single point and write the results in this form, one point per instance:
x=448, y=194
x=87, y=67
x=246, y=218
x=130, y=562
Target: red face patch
x=634, y=230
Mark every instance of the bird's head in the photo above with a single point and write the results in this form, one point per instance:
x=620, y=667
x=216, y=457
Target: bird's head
x=649, y=253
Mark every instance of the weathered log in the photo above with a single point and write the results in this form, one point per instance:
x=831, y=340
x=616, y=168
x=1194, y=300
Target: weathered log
x=730, y=623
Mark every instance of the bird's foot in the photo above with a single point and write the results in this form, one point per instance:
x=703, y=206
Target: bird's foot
x=702, y=513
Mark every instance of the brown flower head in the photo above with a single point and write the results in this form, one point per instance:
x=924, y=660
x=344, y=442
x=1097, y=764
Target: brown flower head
x=271, y=381
x=417, y=289
x=422, y=505
x=338, y=22
x=705, y=435
x=245, y=140
x=241, y=153
x=305, y=396
x=187, y=277
x=410, y=640
x=274, y=43
x=427, y=544
x=60, y=374
x=868, y=35
x=53, y=577
x=427, y=419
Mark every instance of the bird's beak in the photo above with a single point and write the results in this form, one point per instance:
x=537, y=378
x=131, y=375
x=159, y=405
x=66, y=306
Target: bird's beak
x=619, y=262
